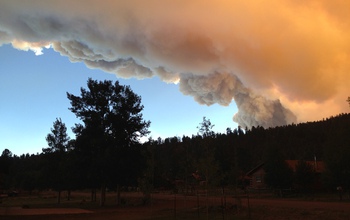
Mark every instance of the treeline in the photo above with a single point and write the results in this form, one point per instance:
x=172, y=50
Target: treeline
x=220, y=159
x=226, y=158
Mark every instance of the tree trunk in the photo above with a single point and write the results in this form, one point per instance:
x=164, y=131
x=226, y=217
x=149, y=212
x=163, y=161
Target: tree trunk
x=118, y=194
x=68, y=195
x=58, y=196
x=103, y=195
x=93, y=195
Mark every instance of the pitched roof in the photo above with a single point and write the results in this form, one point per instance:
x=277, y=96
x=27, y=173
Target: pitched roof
x=317, y=166
x=255, y=169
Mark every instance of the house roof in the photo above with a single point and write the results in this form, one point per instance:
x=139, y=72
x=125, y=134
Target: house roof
x=317, y=166
x=252, y=171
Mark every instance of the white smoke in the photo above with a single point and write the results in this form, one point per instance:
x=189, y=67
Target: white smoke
x=260, y=55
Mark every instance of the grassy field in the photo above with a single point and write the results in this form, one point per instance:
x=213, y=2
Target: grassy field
x=169, y=206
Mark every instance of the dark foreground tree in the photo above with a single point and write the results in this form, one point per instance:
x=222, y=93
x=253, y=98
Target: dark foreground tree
x=206, y=161
x=55, y=169
x=112, y=126
x=5, y=165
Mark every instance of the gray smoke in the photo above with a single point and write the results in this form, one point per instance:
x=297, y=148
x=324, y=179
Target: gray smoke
x=259, y=55
x=253, y=110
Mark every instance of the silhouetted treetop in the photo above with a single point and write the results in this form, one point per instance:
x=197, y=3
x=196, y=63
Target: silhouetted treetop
x=112, y=108
x=58, y=139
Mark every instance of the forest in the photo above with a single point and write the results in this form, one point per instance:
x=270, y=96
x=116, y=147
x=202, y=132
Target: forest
x=106, y=152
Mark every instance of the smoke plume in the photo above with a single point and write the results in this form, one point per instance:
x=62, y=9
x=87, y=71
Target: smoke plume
x=254, y=110
x=268, y=58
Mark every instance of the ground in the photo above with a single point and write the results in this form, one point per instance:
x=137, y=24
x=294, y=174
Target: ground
x=166, y=205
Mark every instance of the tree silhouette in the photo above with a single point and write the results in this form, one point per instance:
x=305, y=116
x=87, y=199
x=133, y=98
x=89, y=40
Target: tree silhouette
x=58, y=139
x=55, y=169
x=206, y=162
x=5, y=165
x=112, y=126
x=205, y=128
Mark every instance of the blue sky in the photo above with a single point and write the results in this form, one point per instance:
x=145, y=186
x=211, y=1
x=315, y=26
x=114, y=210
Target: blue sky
x=33, y=94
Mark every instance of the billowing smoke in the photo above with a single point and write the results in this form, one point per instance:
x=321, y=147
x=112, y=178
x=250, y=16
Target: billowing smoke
x=262, y=56
x=254, y=110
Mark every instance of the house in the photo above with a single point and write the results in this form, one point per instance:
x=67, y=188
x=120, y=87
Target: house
x=257, y=174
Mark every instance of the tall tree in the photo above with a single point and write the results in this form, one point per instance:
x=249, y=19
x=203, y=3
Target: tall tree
x=55, y=169
x=5, y=164
x=206, y=162
x=112, y=125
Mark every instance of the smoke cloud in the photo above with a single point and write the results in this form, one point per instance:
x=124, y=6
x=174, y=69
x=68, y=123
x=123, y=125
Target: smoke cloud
x=254, y=110
x=268, y=58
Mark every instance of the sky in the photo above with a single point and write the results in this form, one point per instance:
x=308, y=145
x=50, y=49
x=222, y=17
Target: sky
x=33, y=94
x=256, y=63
